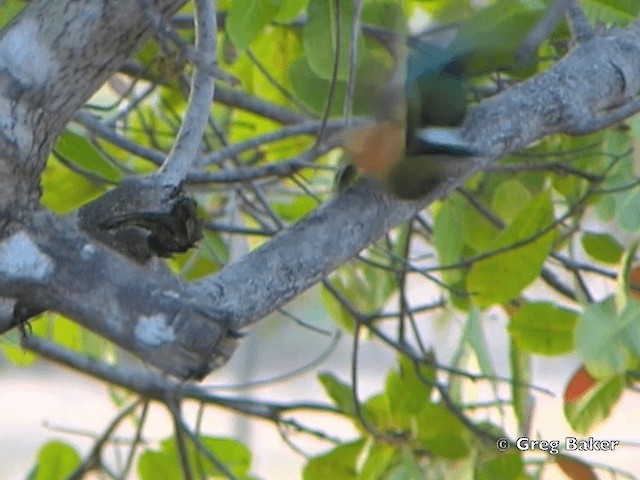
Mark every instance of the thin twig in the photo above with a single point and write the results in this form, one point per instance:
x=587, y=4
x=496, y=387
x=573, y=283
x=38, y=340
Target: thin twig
x=187, y=145
x=353, y=61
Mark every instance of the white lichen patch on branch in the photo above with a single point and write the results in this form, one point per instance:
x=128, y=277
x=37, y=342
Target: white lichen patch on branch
x=87, y=251
x=21, y=259
x=24, y=57
x=154, y=330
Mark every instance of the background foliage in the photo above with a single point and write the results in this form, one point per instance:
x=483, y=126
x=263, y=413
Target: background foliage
x=545, y=239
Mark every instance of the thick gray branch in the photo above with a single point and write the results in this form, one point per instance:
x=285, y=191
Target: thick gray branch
x=52, y=59
x=584, y=88
x=188, y=329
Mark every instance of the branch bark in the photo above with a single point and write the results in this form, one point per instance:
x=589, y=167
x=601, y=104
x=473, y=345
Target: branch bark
x=186, y=330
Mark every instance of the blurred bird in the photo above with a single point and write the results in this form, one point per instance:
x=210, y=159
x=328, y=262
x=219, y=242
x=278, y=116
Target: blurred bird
x=402, y=148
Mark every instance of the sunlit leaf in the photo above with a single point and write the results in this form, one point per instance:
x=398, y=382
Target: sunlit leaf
x=337, y=464
x=338, y=391
x=606, y=340
x=543, y=328
x=501, y=277
x=56, y=460
x=320, y=30
x=247, y=18
x=602, y=247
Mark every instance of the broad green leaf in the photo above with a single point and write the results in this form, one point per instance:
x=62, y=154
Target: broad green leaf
x=66, y=333
x=337, y=464
x=505, y=466
x=164, y=463
x=56, y=460
x=407, y=391
x=10, y=342
x=338, y=391
x=629, y=206
x=605, y=207
x=296, y=209
x=479, y=233
x=313, y=91
x=409, y=469
x=602, y=247
x=247, y=18
x=235, y=455
x=448, y=238
x=606, y=340
x=620, y=12
x=379, y=457
x=81, y=152
x=275, y=87
x=509, y=198
x=502, y=277
x=543, y=328
x=64, y=190
x=387, y=14
x=595, y=405
x=290, y=9
x=441, y=432
x=320, y=34
x=159, y=465
x=10, y=8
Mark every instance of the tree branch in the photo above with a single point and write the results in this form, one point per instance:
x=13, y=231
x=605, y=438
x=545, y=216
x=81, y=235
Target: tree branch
x=53, y=57
x=187, y=144
x=187, y=330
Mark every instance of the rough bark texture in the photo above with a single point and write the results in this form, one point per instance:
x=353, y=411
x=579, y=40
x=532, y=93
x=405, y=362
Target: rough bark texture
x=48, y=262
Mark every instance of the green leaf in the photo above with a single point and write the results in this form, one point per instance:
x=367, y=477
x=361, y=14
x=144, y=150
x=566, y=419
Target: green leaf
x=441, y=432
x=247, y=18
x=379, y=457
x=627, y=214
x=56, y=460
x=11, y=347
x=82, y=153
x=339, y=392
x=505, y=466
x=608, y=342
x=602, y=247
x=502, y=277
x=448, y=238
x=509, y=198
x=543, y=328
x=319, y=37
x=165, y=463
x=56, y=179
x=386, y=14
x=312, y=90
x=620, y=12
x=337, y=464
x=409, y=469
x=407, y=391
x=235, y=455
x=290, y=9
x=595, y=405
